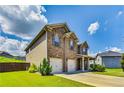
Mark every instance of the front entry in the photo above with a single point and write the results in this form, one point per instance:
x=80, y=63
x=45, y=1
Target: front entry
x=79, y=64
x=85, y=65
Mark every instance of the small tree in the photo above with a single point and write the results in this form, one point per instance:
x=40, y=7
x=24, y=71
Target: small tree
x=45, y=68
x=122, y=62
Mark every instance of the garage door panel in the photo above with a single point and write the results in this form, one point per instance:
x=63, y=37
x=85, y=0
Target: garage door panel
x=71, y=65
x=112, y=62
x=57, y=65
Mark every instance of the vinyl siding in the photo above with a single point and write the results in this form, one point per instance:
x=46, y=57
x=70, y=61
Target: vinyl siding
x=37, y=54
x=99, y=60
x=111, y=62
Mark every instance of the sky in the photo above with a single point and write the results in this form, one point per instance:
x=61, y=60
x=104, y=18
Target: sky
x=101, y=26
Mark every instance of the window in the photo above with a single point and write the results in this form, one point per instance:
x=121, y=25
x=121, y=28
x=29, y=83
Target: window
x=56, y=40
x=71, y=44
x=83, y=50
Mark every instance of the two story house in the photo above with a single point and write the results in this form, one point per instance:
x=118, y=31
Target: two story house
x=60, y=46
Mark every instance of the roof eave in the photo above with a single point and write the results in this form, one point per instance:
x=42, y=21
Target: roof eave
x=42, y=31
x=35, y=39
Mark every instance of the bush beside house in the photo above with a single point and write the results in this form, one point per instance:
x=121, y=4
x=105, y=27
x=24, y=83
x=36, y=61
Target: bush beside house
x=97, y=68
x=45, y=68
x=32, y=68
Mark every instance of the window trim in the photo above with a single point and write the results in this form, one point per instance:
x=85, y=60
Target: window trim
x=84, y=51
x=54, y=41
x=71, y=47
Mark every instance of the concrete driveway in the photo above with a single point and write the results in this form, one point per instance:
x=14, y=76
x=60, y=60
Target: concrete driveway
x=95, y=79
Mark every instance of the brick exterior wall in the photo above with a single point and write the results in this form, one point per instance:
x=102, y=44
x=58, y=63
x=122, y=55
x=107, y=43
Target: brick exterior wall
x=70, y=54
x=55, y=51
x=58, y=52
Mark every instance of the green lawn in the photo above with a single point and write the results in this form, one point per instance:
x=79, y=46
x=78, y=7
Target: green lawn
x=26, y=79
x=112, y=72
x=5, y=59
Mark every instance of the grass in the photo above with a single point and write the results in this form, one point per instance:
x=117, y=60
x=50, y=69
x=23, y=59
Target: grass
x=5, y=59
x=26, y=79
x=112, y=72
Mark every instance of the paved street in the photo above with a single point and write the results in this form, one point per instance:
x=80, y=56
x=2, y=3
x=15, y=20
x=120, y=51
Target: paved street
x=95, y=79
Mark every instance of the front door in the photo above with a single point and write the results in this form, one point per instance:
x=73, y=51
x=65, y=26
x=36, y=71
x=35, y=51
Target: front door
x=79, y=64
x=85, y=65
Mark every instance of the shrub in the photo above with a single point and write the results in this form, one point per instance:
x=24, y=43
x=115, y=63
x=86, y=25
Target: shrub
x=97, y=67
x=32, y=68
x=93, y=67
x=45, y=68
x=100, y=68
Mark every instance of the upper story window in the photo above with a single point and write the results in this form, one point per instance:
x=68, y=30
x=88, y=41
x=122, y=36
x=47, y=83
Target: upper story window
x=56, y=40
x=71, y=44
x=84, y=51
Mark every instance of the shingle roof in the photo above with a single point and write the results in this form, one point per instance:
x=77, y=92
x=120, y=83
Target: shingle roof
x=109, y=53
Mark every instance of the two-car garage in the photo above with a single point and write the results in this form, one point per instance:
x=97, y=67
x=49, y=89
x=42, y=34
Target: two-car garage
x=57, y=65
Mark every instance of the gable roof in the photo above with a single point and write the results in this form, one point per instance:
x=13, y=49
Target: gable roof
x=47, y=26
x=84, y=44
x=71, y=34
x=109, y=53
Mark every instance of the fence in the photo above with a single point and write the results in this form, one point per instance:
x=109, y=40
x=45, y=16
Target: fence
x=7, y=67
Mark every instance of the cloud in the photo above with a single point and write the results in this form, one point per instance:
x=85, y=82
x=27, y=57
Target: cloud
x=120, y=13
x=13, y=46
x=22, y=21
x=92, y=54
x=113, y=49
x=93, y=28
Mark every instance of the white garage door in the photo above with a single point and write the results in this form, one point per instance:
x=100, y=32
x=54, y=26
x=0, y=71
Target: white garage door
x=71, y=65
x=57, y=65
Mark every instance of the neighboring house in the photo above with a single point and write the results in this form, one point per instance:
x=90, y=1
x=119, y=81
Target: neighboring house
x=60, y=46
x=109, y=59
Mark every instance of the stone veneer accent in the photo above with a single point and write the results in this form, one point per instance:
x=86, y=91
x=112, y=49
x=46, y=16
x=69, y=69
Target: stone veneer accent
x=70, y=54
x=58, y=52
x=54, y=51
